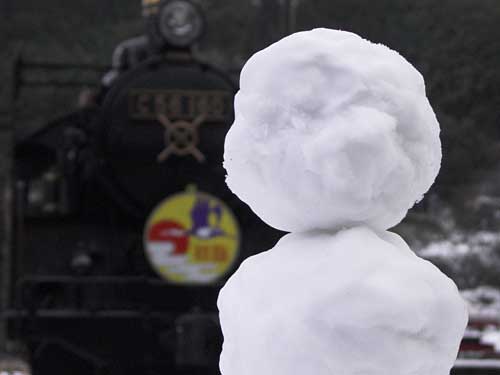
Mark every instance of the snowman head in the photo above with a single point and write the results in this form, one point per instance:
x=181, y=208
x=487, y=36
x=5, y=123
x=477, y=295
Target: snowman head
x=330, y=131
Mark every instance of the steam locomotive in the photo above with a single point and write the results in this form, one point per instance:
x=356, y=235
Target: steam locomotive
x=123, y=227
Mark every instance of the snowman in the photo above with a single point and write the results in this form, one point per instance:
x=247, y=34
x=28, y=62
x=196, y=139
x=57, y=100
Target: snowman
x=333, y=141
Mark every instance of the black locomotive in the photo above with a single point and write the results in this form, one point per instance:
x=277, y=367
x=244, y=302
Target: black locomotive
x=123, y=227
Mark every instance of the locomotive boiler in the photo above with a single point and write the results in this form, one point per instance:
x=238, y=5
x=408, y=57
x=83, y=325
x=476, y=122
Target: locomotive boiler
x=123, y=227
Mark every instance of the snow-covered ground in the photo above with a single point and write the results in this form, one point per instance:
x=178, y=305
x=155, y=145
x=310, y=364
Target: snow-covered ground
x=470, y=258
x=484, y=321
x=483, y=301
x=460, y=244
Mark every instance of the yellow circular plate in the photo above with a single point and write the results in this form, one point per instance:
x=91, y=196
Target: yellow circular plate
x=191, y=238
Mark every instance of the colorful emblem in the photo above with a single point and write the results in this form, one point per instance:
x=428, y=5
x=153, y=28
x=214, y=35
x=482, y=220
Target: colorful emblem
x=191, y=237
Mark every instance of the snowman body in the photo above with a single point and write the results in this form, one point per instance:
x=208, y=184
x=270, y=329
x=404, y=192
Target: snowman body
x=334, y=140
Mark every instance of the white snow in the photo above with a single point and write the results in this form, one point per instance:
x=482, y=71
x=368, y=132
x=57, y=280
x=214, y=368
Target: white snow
x=483, y=301
x=334, y=140
x=484, y=311
x=478, y=363
x=331, y=130
x=355, y=302
x=491, y=336
x=458, y=244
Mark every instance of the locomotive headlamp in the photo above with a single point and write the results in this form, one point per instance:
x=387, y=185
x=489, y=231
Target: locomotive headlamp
x=180, y=22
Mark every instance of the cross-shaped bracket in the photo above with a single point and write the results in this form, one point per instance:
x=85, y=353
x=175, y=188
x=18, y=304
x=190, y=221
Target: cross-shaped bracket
x=181, y=138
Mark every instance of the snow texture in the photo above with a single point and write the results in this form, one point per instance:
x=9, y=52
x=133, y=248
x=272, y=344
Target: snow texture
x=355, y=302
x=471, y=258
x=334, y=140
x=484, y=312
x=331, y=130
x=483, y=301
